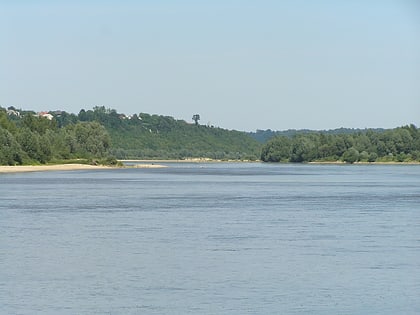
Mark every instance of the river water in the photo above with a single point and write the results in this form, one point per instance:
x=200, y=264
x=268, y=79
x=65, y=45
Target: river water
x=212, y=238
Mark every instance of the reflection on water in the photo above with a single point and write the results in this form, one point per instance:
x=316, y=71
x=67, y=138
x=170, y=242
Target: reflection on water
x=212, y=239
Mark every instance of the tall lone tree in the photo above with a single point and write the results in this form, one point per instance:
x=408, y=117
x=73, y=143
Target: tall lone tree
x=196, y=118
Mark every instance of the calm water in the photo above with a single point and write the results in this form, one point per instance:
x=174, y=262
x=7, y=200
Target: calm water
x=212, y=239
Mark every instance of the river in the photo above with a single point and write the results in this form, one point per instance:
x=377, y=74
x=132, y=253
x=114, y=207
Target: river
x=212, y=238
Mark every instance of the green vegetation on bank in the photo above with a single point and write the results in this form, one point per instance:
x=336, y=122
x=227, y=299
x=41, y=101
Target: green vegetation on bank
x=146, y=136
x=392, y=145
x=264, y=136
x=26, y=138
x=101, y=135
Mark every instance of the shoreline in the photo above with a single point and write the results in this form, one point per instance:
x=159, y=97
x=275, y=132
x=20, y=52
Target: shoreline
x=366, y=163
x=5, y=169
x=193, y=160
x=54, y=167
x=207, y=160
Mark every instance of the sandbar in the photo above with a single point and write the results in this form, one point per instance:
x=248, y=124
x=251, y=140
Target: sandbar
x=55, y=167
x=68, y=167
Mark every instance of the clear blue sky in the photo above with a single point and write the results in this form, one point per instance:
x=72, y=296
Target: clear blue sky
x=242, y=65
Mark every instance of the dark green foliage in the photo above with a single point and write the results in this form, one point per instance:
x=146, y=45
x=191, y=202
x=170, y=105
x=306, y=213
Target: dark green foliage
x=351, y=155
x=37, y=124
x=303, y=148
x=164, y=137
x=146, y=136
x=101, y=132
x=400, y=144
x=32, y=139
x=263, y=136
x=63, y=118
x=277, y=150
x=10, y=151
x=30, y=143
x=91, y=138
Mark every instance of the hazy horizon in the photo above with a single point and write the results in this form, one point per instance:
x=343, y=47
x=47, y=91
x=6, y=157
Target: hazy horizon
x=242, y=65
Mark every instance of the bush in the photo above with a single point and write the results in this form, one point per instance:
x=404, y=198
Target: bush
x=351, y=155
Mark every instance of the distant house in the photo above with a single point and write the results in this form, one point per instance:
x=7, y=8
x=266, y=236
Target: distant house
x=12, y=112
x=45, y=115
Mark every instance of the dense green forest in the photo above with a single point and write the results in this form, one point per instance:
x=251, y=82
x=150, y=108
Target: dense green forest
x=148, y=136
x=399, y=145
x=104, y=134
x=263, y=136
x=27, y=137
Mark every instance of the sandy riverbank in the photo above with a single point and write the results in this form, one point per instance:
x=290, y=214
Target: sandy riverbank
x=66, y=167
x=144, y=164
x=58, y=167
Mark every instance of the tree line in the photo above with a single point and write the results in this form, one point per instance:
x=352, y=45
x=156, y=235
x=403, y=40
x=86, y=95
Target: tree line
x=103, y=133
x=147, y=136
x=264, y=136
x=31, y=139
x=26, y=137
x=401, y=144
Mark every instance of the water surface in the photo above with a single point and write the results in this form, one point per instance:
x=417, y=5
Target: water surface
x=215, y=238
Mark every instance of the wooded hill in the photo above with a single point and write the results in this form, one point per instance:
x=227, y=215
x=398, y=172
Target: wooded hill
x=146, y=136
x=28, y=137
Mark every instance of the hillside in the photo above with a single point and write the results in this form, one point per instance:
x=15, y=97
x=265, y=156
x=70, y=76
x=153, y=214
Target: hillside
x=101, y=132
x=146, y=136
